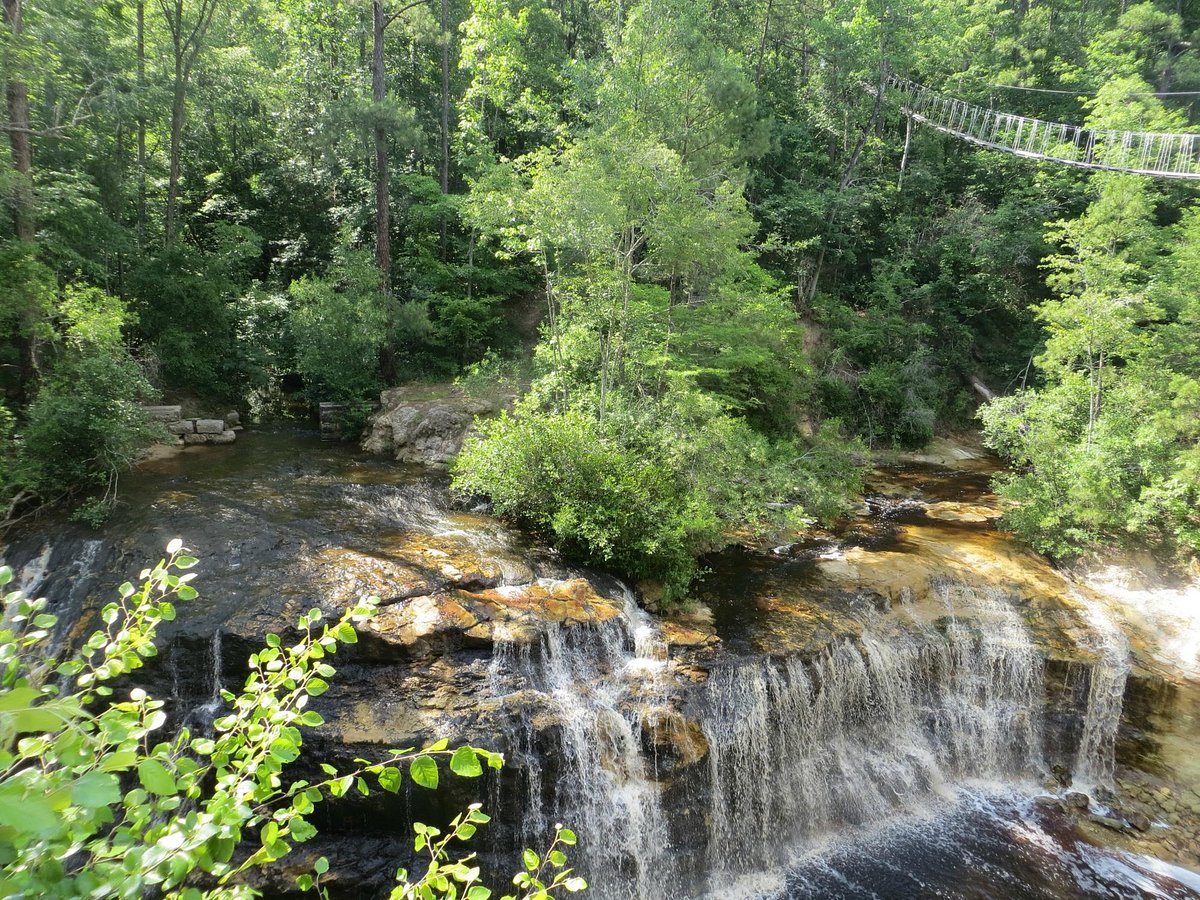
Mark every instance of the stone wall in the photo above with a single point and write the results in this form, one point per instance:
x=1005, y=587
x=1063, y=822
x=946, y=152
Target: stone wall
x=196, y=431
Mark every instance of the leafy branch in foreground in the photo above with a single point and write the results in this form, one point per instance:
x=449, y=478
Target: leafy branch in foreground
x=89, y=806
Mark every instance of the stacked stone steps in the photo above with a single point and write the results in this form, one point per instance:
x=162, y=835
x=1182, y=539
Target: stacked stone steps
x=196, y=431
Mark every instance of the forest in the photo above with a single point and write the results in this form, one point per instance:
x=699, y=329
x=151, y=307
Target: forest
x=720, y=264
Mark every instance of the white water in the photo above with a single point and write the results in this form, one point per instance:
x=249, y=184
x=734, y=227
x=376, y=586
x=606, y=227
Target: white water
x=202, y=714
x=595, y=682
x=1168, y=617
x=798, y=749
x=31, y=576
x=1096, y=760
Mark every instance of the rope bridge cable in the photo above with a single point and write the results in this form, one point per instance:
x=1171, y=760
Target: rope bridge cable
x=1153, y=153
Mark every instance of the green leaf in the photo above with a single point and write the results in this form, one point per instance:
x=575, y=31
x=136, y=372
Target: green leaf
x=389, y=779
x=465, y=763
x=284, y=750
x=96, y=789
x=321, y=866
x=316, y=687
x=155, y=778
x=530, y=859
x=19, y=698
x=29, y=814
x=424, y=772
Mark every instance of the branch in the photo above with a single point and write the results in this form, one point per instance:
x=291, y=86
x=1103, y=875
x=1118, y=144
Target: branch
x=401, y=11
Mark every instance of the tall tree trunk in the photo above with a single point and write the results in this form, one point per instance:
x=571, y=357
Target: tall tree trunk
x=141, y=121
x=186, y=40
x=445, y=111
x=762, y=44
x=383, y=241
x=178, y=106
x=17, y=95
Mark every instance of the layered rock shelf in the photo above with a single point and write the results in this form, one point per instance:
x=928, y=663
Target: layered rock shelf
x=796, y=694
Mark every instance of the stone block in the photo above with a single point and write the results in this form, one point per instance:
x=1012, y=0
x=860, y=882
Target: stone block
x=183, y=426
x=164, y=413
x=196, y=438
x=210, y=426
x=228, y=436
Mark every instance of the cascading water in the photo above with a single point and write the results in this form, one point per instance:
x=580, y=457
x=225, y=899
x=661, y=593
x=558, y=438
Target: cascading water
x=1096, y=759
x=800, y=748
x=201, y=715
x=797, y=748
x=593, y=684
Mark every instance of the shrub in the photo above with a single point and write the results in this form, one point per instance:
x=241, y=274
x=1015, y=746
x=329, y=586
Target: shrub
x=646, y=489
x=87, y=423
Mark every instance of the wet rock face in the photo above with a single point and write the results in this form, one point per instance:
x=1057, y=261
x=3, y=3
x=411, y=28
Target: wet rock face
x=630, y=723
x=426, y=424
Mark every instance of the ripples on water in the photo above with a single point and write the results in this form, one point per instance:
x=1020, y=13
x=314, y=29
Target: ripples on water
x=985, y=845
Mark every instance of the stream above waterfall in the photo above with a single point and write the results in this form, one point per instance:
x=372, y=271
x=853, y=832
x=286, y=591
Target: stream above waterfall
x=892, y=708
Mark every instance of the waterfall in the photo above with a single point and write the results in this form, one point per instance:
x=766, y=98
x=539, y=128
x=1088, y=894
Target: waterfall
x=1096, y=759
x=593, y=684
x=797, y=747
x=800, y=748
x=31, y=576
x=203, y=714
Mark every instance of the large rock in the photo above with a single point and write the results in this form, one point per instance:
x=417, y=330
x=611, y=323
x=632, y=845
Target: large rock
x=423, y=424
x=210, y=426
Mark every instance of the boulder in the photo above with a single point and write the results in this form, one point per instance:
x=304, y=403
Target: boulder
x=228, y=436
x=1108, y=822
x=674, y=740
x=183, y=426
x=1077, y=799
x=210, y=426
x=426, y=424
x=1138, y=821
x=196, y=438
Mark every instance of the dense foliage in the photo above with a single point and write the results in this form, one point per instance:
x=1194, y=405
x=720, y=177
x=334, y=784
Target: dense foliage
x=1109, y=444
x=98, y=799
x=677, y=201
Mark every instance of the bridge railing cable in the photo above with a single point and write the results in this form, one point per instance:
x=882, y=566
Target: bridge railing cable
x=1158, y=154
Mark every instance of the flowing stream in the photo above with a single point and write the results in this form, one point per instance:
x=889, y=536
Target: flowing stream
x=869, y=713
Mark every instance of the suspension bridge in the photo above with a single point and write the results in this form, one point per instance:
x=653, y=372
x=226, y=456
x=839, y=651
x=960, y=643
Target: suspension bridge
x=1153, y=153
